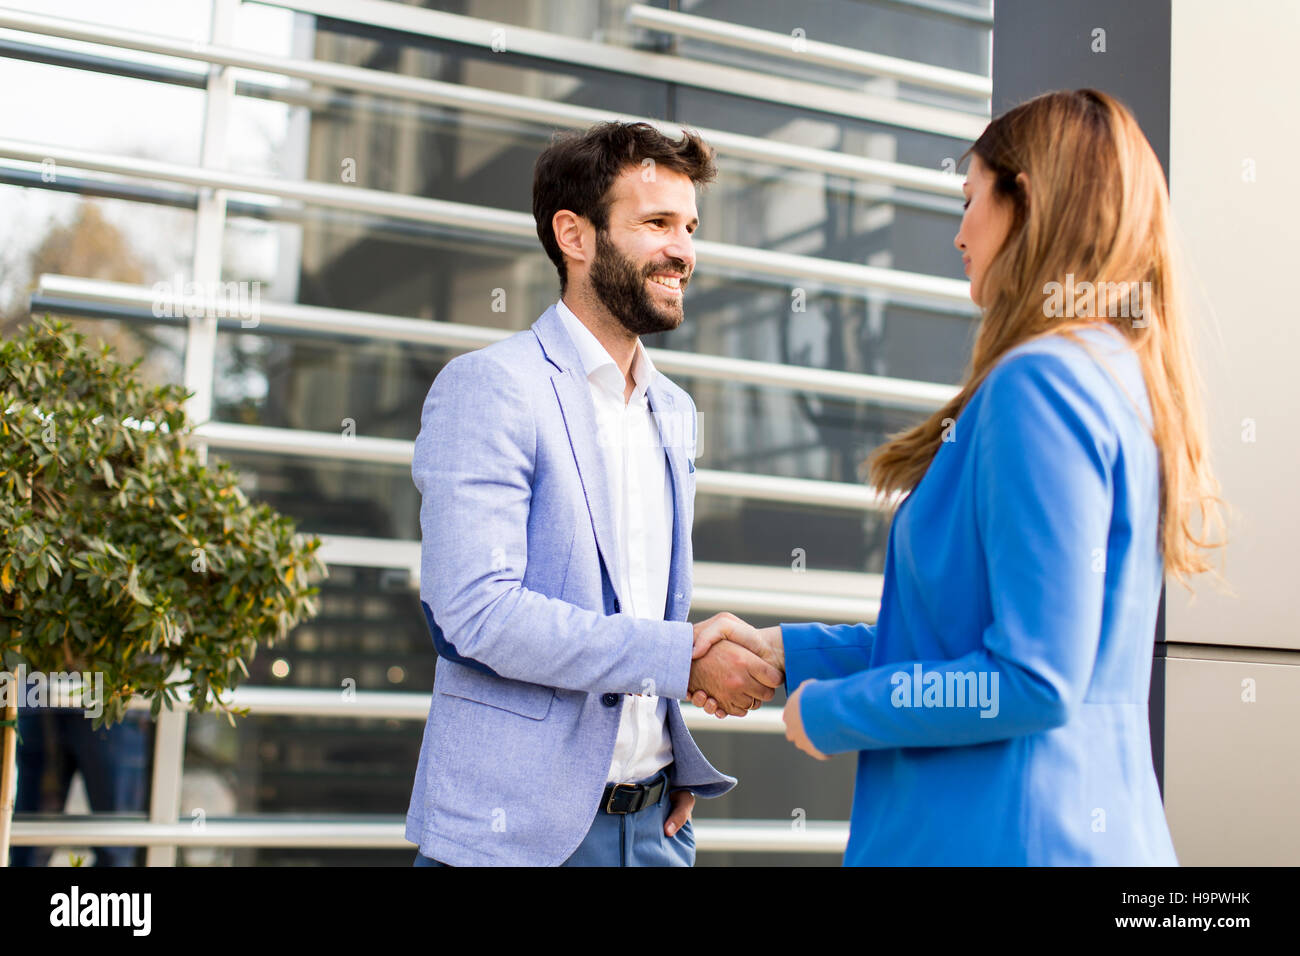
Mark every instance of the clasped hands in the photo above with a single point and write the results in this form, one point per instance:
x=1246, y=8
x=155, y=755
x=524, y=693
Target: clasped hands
x=735, y=667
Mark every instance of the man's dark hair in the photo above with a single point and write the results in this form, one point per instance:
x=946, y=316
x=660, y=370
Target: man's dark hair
x=577, y=170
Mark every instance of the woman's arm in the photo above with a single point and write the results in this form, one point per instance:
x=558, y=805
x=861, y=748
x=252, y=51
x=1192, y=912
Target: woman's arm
x=822, y=652
x=1043, y=492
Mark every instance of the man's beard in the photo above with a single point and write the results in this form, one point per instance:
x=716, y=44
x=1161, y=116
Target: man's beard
x=620, y=285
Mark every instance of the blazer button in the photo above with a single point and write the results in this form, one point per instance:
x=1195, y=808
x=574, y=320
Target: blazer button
x=609, y=700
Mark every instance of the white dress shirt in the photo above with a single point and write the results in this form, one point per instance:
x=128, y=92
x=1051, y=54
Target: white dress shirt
x=636, y=467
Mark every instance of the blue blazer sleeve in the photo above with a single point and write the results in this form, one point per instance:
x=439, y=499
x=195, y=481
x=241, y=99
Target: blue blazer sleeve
x=474, y=465
x=1043, y=493
x=821, y=652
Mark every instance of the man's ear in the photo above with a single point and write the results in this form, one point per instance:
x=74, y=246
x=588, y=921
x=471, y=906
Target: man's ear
x=572, y=235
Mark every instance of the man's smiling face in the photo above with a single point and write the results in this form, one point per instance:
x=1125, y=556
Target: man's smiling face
x=645, y=255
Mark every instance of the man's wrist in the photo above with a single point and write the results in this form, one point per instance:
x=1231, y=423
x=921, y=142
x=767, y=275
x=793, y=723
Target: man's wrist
x=681, y=665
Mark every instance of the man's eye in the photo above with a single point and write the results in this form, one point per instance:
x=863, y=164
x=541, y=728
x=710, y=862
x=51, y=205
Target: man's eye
x=966, y=204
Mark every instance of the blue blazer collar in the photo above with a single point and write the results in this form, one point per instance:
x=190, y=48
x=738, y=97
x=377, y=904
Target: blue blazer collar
x=556, y=344
x=563, y=354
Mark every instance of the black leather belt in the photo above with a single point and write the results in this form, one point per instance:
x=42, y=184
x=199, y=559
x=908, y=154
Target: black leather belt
x=631, y=797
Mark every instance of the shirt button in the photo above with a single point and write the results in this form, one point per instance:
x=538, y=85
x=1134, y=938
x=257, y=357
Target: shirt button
x=609, y=700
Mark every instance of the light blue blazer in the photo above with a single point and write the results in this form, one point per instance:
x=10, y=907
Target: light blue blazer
x=517, y=562
x=999, y=703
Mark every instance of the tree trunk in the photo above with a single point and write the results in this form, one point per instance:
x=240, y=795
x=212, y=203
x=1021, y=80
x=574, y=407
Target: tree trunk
x=8, y=769
x=9, y=766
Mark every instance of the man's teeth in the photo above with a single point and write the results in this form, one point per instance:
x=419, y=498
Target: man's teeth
x=672, y=282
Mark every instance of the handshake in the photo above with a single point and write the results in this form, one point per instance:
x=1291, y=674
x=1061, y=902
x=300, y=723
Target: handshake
x=735, y=667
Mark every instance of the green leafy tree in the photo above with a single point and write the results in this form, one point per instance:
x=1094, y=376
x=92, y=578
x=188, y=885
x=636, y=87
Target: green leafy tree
x=121, y=553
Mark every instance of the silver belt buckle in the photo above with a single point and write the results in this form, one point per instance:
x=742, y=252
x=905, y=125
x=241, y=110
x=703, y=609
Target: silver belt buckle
x=609, y=804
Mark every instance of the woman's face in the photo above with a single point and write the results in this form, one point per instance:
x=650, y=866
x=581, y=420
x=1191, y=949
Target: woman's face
x=984, y=226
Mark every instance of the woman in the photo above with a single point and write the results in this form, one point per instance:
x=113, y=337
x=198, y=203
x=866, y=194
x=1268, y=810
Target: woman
x=999, y=704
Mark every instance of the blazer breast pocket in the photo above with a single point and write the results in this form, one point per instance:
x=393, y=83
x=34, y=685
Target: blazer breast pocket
x=517, y=697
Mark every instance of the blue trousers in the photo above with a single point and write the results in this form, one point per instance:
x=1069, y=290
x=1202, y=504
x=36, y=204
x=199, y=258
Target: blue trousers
x=114, y=762
x=627, y=839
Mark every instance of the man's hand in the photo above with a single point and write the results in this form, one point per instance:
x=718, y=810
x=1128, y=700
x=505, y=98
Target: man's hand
x=765, y=643
x=734, y=677
x=683, y=802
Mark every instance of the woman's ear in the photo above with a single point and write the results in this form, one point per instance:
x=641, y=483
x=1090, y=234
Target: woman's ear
x=1022, y=180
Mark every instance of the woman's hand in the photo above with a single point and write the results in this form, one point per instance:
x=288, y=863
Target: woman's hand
x=794, y=731
x=766, y=643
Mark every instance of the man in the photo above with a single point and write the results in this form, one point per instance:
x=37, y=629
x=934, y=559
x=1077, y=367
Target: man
x=557, y=501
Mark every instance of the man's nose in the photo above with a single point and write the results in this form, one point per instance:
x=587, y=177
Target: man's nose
x=681, y=246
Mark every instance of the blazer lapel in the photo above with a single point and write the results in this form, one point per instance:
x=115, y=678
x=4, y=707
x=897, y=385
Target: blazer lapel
x=573, y=392
x=672, y=436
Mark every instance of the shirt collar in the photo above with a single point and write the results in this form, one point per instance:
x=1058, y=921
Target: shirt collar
x=598, y=365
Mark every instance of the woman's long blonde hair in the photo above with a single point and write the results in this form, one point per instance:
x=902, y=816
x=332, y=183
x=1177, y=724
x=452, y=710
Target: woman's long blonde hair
x=1097, y=209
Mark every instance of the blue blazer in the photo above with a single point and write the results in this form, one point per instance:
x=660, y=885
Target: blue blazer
x=517, y=565
x=999, y=703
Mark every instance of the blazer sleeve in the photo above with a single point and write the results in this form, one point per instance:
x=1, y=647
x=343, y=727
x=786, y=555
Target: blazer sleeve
x=1044, y=450
x=822, y=651
x=474, y=467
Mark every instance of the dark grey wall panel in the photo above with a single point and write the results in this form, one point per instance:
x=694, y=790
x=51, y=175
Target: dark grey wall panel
x=1039, y=47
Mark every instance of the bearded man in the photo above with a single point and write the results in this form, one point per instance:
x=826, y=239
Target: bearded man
x=557, y=491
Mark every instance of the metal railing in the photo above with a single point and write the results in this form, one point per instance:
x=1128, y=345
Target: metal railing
x=482, y=101
x=354, y=448
x=335, y=446
x=500, y=223
x=807, y=50
x=880, y=390
x=743, y=589
x=734, y=836
x=507, y=39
